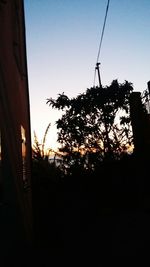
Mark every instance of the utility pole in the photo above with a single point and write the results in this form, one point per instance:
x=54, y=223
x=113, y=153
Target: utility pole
x=107, y=143
x=98, y=71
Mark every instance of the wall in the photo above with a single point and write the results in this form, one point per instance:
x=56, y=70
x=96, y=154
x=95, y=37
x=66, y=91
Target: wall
x=15, y=158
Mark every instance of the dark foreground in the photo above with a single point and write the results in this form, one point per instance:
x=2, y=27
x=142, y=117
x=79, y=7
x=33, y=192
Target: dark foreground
x=97, y=219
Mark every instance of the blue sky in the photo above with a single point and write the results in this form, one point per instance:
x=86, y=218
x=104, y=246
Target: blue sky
x=62, y=39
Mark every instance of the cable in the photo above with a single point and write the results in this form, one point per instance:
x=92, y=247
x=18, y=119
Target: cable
x=102, y=35
x=103, y=30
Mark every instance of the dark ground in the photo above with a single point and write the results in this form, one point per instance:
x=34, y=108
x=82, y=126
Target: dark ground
x=97, y=219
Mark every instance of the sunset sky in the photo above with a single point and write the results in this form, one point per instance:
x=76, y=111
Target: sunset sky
x=62, y=39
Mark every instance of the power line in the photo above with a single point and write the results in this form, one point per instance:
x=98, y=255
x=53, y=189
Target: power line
x=103, y=30
x=101, y=39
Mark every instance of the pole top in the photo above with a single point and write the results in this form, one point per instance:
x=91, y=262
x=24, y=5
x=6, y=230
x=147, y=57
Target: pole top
x=97, y=65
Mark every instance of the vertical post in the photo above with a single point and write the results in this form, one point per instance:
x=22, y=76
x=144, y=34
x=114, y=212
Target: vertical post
x=148, y=84
x=140, y=125
x=107, y=144
x=99, y=77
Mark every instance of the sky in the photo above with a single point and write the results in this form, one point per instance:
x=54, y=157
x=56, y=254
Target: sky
x=62, y=38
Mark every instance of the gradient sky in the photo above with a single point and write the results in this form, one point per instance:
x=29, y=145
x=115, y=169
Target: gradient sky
x=62, y=44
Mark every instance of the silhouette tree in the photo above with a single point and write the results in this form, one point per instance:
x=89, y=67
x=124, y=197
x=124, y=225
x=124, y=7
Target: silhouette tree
x=95, y=124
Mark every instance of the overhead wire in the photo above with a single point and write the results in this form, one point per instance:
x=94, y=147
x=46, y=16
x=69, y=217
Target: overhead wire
x=101, y=39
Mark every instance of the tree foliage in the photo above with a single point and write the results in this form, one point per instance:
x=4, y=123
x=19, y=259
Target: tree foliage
x=96, y=122
x=38, y=150
x=45, y=168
